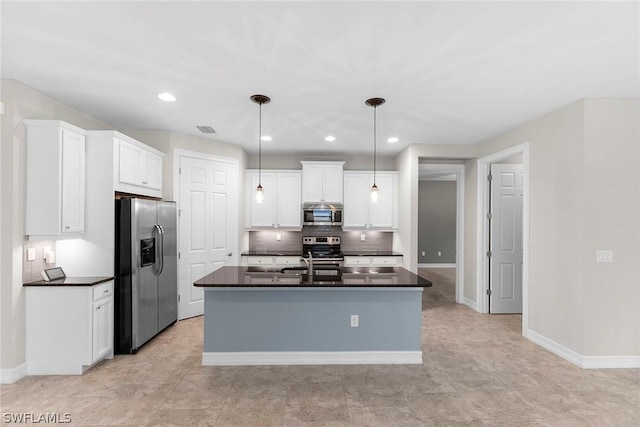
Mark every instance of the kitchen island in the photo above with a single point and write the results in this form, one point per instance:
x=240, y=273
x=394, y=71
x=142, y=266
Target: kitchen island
x=263, y=316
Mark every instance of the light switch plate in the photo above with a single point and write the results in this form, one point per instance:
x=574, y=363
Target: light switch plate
x=278, y=236
x=363, y=237
x=604, y=255
x=31, y=254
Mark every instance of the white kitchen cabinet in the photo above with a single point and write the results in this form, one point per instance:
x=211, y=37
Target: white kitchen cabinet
x=372, y=261
x=55, y=179
x=281, y=205
x=271, y=261
x=360, y=212
x=69, y=328
x=139, y=168
x=322, y=182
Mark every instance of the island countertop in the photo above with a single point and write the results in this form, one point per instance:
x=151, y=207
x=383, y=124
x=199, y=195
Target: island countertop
x=352, y=277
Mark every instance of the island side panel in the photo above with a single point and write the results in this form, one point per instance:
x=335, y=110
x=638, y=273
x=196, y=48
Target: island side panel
x=312, y=320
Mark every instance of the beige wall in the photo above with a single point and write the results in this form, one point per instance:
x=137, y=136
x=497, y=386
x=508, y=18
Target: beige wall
x=470, y=231
x=584, y=195
x=407, y=165
x=21, y=102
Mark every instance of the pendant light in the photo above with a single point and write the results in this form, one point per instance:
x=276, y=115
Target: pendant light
x=374, y=102
x=260, y=99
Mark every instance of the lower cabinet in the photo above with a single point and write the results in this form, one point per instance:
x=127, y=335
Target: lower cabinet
x=271, y=261
x=69, y=328
x=372, y=261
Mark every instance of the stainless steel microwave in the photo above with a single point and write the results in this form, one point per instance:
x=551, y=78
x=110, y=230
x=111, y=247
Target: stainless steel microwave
x=322, y=214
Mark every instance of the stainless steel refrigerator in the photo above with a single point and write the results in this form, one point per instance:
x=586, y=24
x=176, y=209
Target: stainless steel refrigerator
x=146, y=285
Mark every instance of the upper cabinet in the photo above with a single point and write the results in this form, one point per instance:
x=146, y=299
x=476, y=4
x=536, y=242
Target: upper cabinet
x=138, y=169
x=322, y=182
x=281, y=205
x=360, y=213
x=55, y=178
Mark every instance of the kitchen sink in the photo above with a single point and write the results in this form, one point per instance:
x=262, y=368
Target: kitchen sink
x=317, y=271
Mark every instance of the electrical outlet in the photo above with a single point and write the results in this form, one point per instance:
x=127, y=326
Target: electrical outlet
x=604, y=256
x=439, y=253
x=424, y=253
x=363, y=237
x=31, y=254
x=278, y=236
x=355, y=321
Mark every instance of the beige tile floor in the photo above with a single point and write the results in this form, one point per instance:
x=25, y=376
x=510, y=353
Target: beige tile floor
x=477, y=370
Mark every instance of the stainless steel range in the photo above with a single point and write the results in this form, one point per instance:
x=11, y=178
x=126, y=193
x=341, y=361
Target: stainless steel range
x=324, y=250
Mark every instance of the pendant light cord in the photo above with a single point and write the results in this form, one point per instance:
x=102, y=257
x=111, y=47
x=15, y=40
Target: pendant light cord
x=260, y=148
x=375, y=110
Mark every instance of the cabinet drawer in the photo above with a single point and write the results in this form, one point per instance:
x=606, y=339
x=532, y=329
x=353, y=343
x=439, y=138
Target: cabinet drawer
x=287, y=260
x=103, y=290
x=356, y=260
x=385, y=260
x=260, y=260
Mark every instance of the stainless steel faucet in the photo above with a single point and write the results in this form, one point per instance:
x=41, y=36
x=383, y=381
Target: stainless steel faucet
x=309, y=263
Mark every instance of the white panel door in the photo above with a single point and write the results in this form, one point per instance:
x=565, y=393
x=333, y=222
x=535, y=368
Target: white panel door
x=152, y=171
x=505, y=271
x=207, y=226
x=130, y=171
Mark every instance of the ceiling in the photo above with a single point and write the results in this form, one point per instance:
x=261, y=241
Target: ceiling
x=451, y=72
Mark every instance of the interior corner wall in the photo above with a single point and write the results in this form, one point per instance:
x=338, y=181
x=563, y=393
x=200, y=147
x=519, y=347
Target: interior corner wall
x=584, y=196
x=556, y=216
x=21, y=102
x=470, y=235
x=402, y=239
x=611, y=218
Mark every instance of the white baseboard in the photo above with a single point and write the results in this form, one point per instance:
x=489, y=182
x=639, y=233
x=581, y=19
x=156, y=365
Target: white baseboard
x=435, y=265
x=311, y=358
x=610, y=362
x=10, y=376
x=471, y=304
x=584, y=362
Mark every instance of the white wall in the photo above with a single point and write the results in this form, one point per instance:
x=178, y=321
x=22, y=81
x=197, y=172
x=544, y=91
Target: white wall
x=21, y=102
x=584, y=195
x=292, y=161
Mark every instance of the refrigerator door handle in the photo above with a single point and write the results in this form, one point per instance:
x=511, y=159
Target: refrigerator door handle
x=159, y=235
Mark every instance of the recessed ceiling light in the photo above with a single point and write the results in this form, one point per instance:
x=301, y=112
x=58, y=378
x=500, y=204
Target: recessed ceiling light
x=330, y=138
x=393, y=140
x=166, y=96
x=266, y=138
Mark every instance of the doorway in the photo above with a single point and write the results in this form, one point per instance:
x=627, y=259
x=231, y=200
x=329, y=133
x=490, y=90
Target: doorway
x=497, y=232
x=444, y=254
x=207, y=197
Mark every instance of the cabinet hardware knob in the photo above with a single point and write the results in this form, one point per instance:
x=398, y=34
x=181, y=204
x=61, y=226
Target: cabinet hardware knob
x=98, y=307
x=67, y=227
x=106, y=291
x=144, y=182
x=230, y=253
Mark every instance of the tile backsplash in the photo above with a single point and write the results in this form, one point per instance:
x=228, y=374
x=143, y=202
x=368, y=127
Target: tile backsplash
x=32, y=270
x=292, y=240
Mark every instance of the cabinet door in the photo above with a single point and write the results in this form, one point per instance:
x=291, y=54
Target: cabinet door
x=262, y=214
x=289, y=213
x=381, y=213
x=73, y=177
x=332, y=184
x=312, y=183
x=102, y=328
x=152, y=171
x=131, y=164
x=356, y=201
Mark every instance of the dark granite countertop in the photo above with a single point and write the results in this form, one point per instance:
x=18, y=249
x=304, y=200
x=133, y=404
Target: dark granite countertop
x=371, y=253
x=271, y=252
x=352, y=277
x=72, y=281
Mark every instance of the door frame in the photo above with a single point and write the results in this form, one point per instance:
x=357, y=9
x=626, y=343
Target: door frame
x=177, y=155
x=482, y=267
x=460, y=179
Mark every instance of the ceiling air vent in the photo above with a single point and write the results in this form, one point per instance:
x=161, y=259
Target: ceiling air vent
x=206, y=129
